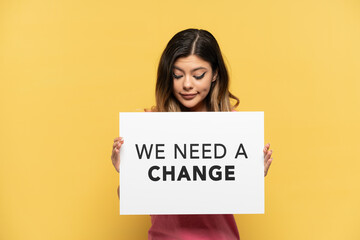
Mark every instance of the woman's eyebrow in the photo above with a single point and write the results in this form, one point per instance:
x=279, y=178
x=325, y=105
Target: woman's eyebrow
x=195, y=69
x=198, y=69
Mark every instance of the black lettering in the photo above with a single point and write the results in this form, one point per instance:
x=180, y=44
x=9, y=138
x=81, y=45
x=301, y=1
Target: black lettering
x=183, y=154
x=218, y=173
x=171, y=173
x=241, y=153
x=205, y=150
x=216, y=145
x=183, y=174
x=193, y=150
x=148, y=154
x=158, y=150
x=150, y=173
x=228, y=173
x=197, y=172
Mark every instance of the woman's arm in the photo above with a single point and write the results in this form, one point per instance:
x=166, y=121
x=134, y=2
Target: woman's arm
x=267, y=159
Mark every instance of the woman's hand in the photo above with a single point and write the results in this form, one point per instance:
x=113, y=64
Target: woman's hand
x=115, y=156
x=267, y=159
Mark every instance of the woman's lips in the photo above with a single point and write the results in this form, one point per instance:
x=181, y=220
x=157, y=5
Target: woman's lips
x=188, y=96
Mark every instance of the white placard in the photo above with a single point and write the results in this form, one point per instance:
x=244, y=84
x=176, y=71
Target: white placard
x=192, y=163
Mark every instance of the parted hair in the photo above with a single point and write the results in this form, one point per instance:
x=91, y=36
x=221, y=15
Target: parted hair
x=202, y=44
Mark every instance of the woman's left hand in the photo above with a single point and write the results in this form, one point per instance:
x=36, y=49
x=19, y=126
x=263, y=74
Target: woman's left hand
x=267, y=159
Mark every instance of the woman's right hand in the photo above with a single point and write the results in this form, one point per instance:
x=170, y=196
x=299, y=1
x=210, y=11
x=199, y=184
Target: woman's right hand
x=115, y=156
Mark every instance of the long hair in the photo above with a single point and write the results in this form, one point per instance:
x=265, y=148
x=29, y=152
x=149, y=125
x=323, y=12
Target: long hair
x=202, y=44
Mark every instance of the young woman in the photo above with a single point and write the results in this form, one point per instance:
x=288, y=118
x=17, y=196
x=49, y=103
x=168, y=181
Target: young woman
x=192, y=76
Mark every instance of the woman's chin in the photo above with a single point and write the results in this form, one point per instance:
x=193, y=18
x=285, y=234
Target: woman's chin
x=188, y=106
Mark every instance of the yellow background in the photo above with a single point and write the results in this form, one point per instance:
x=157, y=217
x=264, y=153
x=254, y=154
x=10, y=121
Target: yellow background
x=67, y=68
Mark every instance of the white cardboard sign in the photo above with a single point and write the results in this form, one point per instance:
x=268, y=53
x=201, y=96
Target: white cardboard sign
x=192, y=163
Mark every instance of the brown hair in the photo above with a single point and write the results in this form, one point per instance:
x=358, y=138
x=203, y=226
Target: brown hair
x=202, y=44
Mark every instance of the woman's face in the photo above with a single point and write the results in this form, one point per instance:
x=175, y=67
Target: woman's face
x=192, y=77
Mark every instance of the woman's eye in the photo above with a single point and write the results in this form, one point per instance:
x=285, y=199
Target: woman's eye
x=200, y=77
x=176, y=76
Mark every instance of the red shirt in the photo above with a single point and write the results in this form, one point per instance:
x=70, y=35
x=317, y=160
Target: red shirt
x=201, y=227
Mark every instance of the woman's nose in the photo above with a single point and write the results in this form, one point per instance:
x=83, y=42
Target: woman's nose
x=187, y=85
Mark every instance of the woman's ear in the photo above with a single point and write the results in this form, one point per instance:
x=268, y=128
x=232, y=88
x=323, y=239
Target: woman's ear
x=215, y=76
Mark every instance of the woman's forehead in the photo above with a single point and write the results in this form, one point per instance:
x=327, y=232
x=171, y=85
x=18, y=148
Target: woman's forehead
x=191, y=62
